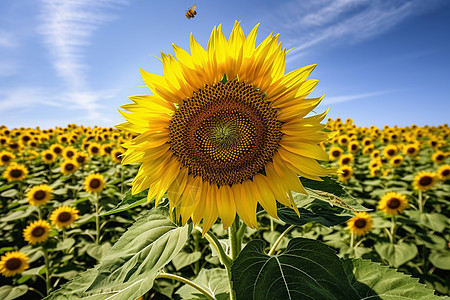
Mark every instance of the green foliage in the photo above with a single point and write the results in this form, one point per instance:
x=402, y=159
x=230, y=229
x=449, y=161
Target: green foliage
x=214, y=281
x=8, y=292
x=396, y=254
x=128, y=202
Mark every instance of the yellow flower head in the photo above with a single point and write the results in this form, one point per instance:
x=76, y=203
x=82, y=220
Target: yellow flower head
x=343, y=140
x=396, y=161
x=424, y=181
x=39, y=195
x=335, y=152
x=444, y=172
x=94, y=183
x=347, y=172
x=390, y=151
x=346, y=159
x=225, y=129
x=94, y=148
x=438, y=157
x=64, y=216
x=69, y=167
x=393, y=203
x=15, y=172
x=116, y=155
x=37, y=232
x=375, y=154
x=82, y=158
x=353, y=146
x=57, y=149
x=411, y=149
x=69, y=153
x=12, y=263
x=360, y=224
x=48, y=156
x=6, y=158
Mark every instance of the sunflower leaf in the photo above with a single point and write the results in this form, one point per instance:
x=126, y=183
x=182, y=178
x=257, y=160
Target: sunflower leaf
x=128, y=269
x=372, y=280
x=307, y=268
x=128, y=202
x=214, y=280
x=332, y=192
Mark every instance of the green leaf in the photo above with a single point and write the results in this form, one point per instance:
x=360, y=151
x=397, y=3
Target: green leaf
x=434, y=221
x=306, y=269
x=128, y=269
x=317, y=211
x=9, y=193
x=128, y=202
x=396, y=254
x=8, y=292
x=20, y=213
x=213, y=280
x=332, y=192
x=184, y=259
x=374, y=281
x=98, y=251
x=440, y=259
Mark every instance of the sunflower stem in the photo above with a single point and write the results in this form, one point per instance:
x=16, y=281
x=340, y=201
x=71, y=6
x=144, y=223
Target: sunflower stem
x=235, y=249
x=121, y=179
x=278, y=241
x=48, y=285
x=393, y=229
x=97, y=220
x=420, y=202
x=186, y=281
x=212, y=239
x=352, y=240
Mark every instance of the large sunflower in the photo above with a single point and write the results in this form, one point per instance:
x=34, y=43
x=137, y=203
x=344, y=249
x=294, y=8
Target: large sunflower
x=94, y=183
x=444, y=172
x=40, y=194
x=225, y=129
x=424, y=181
x=64, y=216
x=37, y=232
x=15, y=172
x=12, y=263
x=393, y=203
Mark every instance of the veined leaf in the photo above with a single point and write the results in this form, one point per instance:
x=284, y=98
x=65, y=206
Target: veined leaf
x=213, y=280
x=128, y=202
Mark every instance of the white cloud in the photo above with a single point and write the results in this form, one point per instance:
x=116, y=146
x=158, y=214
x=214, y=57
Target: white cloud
x=67, y=28
x=7, y=40
x=8, y=68
x=26, y=98
x=311, y=24
x=346, y=98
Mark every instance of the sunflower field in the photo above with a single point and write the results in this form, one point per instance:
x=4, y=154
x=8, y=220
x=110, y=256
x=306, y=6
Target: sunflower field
x=65, y=200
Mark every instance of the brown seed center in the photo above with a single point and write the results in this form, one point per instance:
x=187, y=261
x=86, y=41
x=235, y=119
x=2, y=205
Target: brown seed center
x=39, y=195
x=445, y=172
x=393, y=203
x=94, y=183
x=70, y=153
x=38, y=231
x=360, y=223
x=6, y=158
x=425, y=181
x=48, y=156
x=69, y=167
x=64, y=217
x=16, y=173
x=13, y=264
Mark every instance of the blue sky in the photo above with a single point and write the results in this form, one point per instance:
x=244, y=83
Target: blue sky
x=76, y=61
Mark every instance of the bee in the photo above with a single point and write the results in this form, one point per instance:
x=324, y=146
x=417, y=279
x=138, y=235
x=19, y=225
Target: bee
x=191, y=12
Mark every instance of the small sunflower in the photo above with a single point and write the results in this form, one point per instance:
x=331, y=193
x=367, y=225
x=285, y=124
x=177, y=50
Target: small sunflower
x=69, y=153
x=367, y=150
x=225, y=129
x=360, y=224
x=94, y=183
x=57, y=149
x=82, y=158
x=375, y=171
x=353, y=146
x=94, y=149
x=366, y=142
x=343, y=140
x=39, y=195
x=48, y=156
x=69, y=167
x=424, y=181
x=15, y=145
x=116, y=155
x=411, y=149
x=393, y=203
x=13, y=262
x=444, y=172
x=346, y=159
x=107, y=148
x=375, y=154
x=37, y=232
x=6, y=158
x=335, y=152
x=390, y=151
x=396, y=161
x=347, y=172
x=64, y=216
x=438, y=157
x=15, y=172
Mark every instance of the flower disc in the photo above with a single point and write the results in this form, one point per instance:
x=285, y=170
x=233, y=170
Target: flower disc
x=12, y=263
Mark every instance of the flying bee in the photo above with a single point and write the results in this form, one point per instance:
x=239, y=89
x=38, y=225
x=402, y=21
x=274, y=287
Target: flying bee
x=191, y=12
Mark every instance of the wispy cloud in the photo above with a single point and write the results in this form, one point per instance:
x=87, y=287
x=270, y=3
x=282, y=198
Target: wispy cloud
x=8, y=68
x=7, y=40
x=346, y=98
x=68, y=27
x=26, y=98
x=312, y=24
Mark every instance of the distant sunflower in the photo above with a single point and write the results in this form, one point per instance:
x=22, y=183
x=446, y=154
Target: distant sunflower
x=39, y=195
x=411, y=149
x=390, y=151
x=15, y=145
x=347, y=172
x=116, y=155
x=57, y=149
x=81, y=158
x=367, y=149
x=424, y=181
x=353, y=146
x=343, y=140
x=6, y=158
x=15, y=172
x=69, y=153
x=346, y=159
x=335, y=152
x=225, y=129
x=64, y=216
x=375, y=171
x=48, y=156
x=393, y=203
x=444, y=172
x=94, y=183
x=360, y=224
x=37, y=232
x=396, y=161
x=12, y=263
x=438, y=157
x=69, y=167
x=375, y=154
x=366, y=142
x=94, y=149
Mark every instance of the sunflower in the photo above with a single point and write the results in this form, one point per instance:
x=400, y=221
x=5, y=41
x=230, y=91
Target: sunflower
x=94, y=183
x=15, y=172
x=438, y=157
x=375, y=171
x=116, y=155
x=107, y=148
x=396, y=161
x=69, y=152
x=353, y=146
x=424, y=181
x=366, y=142
x=94, y=149
x=12, y=263
x=390, y=151
x=225, y=129
x=15, y=145
x=82, y=158
x=343, y=140
x=444, y=172
x=347, y=172
x=64, y=216
x=393, y=203
x=57, y=149
x=69, y=167
x=360, y=224
x=39, y=195
x=375, y=154
x=367, y=149
x=346, y=159
x=335, y=152
x=411, y=149
x=6, y=157
x=48, y=156
x=37, y=232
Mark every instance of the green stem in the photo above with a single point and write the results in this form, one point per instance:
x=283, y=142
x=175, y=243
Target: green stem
x=212, y=239
x=393, y=229
x=97, y=220
x=121, y=179
x=274, y=247
x=186, y=281
x=352, y=240
x=48, y=284
x=197, y=248
x=420, y=202
x=234, y=243
x=36, y=291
